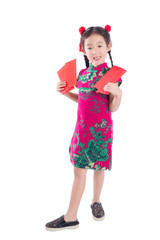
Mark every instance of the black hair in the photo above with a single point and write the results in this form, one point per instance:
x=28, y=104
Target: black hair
x=95, y=30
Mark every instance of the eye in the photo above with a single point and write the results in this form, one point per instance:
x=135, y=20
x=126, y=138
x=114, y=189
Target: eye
x=100, y=46
x=89, y=48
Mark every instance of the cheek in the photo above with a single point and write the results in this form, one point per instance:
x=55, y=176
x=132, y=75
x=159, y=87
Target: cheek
x=104, y=55
x=104, y=51
x=88, y=54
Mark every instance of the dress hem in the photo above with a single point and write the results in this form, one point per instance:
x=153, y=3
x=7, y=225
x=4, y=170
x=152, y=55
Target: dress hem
x=87, y=168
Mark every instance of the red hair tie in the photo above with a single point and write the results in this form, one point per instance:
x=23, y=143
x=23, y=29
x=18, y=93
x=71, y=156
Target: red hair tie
x=81, y=30
x=108, y=28
x=80, y=48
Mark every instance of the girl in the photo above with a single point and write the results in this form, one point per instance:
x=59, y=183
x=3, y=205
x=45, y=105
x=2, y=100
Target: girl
x=91, y=144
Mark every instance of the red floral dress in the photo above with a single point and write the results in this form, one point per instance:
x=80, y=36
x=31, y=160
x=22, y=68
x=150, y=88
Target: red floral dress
x=91, y=144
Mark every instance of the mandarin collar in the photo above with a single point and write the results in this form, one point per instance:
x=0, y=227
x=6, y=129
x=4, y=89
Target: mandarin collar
x=101, y=66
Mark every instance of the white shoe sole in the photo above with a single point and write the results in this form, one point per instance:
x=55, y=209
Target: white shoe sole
x=99, y=219
x=64, y=228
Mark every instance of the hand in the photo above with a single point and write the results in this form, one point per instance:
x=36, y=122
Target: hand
x=112, y=88
x=61, y=86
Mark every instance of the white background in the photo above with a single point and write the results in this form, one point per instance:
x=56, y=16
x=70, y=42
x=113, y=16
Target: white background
x=37, y=122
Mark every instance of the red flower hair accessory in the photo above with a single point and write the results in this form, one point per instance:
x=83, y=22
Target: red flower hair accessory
x=81, y=30
x=108, y=28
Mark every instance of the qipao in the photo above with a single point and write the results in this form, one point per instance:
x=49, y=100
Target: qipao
x=91, y=143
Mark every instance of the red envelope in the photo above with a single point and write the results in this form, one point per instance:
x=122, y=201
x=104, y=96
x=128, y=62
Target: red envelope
x=68, y=74
x=112, y=76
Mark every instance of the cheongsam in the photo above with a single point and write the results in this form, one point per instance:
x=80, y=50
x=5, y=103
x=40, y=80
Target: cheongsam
x=91, y=143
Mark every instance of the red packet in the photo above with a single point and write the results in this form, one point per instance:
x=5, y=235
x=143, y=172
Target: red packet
x=112, y=76
x=68, y=74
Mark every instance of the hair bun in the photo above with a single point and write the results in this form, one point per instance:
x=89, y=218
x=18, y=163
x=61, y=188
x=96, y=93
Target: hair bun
x=81, y=30
x=108, y=28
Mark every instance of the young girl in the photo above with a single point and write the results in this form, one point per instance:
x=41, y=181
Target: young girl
x=91, y=144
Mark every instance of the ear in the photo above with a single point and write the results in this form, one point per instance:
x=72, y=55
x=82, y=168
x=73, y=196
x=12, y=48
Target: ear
x=109, y=46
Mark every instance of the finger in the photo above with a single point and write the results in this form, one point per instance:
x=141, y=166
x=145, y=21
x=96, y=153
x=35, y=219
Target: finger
x=110, y=84
x=59, y=88
x=106, y=89
x=61, y=83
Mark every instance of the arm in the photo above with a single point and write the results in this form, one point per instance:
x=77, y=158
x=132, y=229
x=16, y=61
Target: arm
x=114, y=101
x=61, y=86
x=115, y=96
x=72, y=96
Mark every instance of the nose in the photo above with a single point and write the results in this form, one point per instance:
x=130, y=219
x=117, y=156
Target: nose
x=93, y=51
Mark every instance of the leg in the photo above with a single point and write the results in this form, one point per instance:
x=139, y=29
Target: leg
x=77, y=192
x=98, y=184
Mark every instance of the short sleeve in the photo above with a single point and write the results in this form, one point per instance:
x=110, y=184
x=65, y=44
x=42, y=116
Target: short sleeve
x=119, y=82
x=78, y=77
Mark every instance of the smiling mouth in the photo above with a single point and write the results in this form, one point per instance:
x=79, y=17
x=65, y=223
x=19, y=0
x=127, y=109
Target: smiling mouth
x=96, y=58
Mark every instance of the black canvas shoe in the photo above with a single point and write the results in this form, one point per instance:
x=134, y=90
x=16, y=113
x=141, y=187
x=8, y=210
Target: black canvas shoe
x=97, y=211
x=60, y=224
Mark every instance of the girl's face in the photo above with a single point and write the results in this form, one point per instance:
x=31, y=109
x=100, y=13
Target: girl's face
x=95, y=49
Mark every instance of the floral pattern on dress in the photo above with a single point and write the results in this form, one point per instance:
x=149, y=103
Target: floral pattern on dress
x=91, y=143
